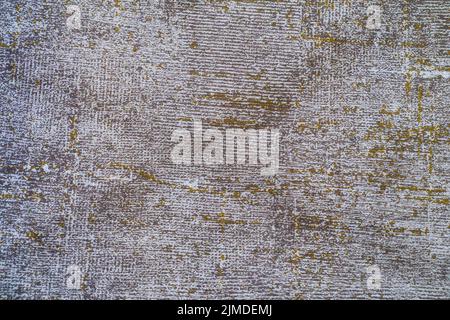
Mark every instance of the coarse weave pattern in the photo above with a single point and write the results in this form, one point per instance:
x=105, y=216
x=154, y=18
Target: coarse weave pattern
x=92, y=90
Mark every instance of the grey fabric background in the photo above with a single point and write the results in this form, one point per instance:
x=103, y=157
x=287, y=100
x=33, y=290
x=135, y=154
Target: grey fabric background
x=86, y=178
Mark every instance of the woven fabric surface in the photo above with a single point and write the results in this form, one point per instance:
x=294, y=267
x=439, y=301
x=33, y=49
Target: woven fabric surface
x=93, y=207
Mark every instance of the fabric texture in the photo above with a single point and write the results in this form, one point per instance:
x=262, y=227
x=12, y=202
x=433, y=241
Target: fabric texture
x=93, y=207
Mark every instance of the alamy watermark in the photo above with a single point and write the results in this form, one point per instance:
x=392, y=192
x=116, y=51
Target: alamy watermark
x=232, y=147
x=373, y=277
x=373, y=17
x=73, y=21
x=73, y=280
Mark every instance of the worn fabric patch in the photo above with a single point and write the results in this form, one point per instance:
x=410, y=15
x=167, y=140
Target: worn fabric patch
x=235, y=149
